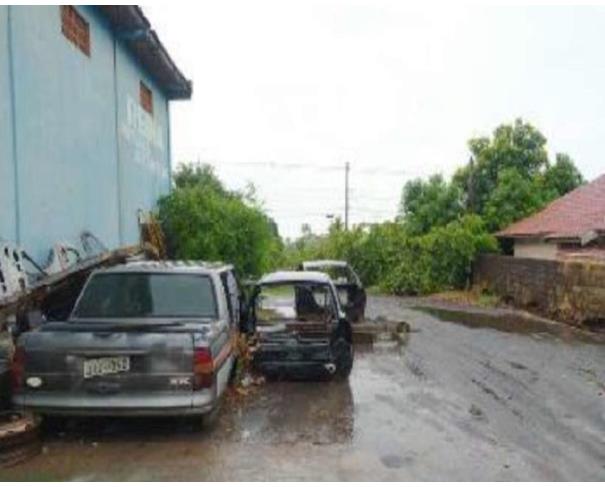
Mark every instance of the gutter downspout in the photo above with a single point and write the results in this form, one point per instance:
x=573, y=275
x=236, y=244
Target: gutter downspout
x=169, y=151
x=13, y=108
x=117, y=134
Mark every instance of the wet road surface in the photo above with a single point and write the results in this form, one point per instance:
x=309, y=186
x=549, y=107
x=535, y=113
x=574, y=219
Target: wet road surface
x=460, y=400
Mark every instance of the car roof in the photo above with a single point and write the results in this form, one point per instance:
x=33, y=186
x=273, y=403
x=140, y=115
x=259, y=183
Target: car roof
x=325, y=263
x=294, y=276
x=193, y=266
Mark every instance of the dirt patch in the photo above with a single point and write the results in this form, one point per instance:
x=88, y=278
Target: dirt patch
x=472, y=297
x=512, y=322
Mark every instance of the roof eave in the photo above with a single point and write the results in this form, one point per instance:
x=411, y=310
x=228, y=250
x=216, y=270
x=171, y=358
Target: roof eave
x=583, y=239
x=134, y=29
x=504, y=234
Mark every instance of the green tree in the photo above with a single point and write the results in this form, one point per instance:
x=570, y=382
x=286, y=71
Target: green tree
x=425, y=205
x=509, y=175
x=563, y=176
x=189, y=175
x=514, y=197
x=518, y=146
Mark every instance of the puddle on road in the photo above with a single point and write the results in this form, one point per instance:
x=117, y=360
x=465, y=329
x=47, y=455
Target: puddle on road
x=313, y=412
x=514, y=323
x=291, y=412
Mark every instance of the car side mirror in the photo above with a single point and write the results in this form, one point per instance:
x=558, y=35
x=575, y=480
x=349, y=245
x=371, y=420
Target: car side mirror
x=27, y=321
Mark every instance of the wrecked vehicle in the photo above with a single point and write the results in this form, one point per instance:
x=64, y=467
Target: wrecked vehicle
x=301, y=329
x=351, y=293
x=144, y=338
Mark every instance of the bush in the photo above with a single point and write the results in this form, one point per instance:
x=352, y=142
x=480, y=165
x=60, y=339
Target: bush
x=387, y=255
x=439, y=260
x=204, y=221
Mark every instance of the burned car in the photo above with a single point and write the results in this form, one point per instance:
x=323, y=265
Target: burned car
x=351, y=293
x=301, y=329
x=144, y=339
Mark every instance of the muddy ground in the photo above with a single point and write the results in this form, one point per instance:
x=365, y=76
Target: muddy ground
x=497, y=397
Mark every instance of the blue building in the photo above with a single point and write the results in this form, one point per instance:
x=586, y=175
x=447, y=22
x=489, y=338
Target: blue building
x=84, y=123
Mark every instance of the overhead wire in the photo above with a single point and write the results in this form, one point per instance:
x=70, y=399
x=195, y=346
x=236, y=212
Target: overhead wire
x=360, y=210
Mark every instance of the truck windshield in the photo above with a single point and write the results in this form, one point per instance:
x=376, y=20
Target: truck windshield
x=148, y=295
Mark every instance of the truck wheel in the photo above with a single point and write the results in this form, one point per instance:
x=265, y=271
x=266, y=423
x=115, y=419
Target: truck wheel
x=203, y=423
x=342, y=351
x=210, y=419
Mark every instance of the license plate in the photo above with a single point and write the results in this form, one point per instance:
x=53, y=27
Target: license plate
x=105, y=366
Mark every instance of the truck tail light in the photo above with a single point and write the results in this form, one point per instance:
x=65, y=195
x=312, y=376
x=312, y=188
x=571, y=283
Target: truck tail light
x=18, y=369
x=203, y=368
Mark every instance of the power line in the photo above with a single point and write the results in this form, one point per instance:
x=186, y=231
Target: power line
x=377, y=198
x=365, y=208
x=359, y=209
x=332, y=191
x=275, y=165
x=380, y=170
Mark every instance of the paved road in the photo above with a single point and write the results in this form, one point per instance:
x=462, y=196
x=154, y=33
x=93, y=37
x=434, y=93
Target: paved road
x=477, y=401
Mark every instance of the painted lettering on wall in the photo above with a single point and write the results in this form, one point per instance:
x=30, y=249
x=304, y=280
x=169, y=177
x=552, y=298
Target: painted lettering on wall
x=145, y=135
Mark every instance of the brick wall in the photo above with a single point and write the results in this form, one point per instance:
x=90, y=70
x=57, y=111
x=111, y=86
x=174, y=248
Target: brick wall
x=571, y=291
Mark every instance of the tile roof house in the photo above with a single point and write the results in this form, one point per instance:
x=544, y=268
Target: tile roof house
x=570, y=227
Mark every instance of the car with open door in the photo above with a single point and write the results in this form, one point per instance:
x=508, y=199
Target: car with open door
x=351, y=292
x=300, y=328
x=144, y=338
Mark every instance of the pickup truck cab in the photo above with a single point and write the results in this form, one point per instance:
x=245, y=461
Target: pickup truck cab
x=144, y=338
x=300, y=327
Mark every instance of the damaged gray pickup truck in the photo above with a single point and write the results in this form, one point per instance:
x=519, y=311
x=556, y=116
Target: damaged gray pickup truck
x=301, y=329
x=144, y=338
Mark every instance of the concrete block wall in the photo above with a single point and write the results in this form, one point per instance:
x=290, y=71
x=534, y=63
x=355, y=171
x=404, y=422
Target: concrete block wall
x=571, y=291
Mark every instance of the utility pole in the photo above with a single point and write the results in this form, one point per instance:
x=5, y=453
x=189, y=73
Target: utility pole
x=470, y=203
x=347, y=169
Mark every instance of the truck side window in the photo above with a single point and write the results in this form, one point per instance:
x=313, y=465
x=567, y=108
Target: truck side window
x=225, y=283
x=234, y=297
x=232, y=294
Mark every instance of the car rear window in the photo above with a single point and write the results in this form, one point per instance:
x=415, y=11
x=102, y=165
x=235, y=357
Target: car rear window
x=338, y=274
x=294, y=302
x=160, y=295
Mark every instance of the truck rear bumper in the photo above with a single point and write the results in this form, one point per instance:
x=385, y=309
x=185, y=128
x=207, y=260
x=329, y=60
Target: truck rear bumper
x=197, y=403
x=106, y=412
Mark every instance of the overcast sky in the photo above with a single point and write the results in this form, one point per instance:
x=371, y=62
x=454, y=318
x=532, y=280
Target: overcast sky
x=283, y=89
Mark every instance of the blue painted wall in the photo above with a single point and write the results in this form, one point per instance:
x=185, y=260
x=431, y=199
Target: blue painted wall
x=7, y=177
x=87, y=157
